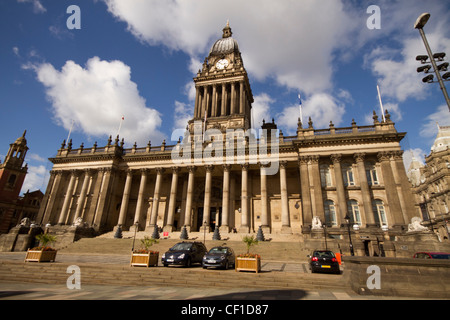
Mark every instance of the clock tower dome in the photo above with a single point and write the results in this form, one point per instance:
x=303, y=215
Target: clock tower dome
x=223, y=94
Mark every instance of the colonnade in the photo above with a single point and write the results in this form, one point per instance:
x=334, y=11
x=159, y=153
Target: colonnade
x=221, y=99
x=390, y=165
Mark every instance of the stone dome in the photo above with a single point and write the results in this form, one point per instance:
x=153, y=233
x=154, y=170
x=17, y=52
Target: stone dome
x=225, y=45
x=21, y=140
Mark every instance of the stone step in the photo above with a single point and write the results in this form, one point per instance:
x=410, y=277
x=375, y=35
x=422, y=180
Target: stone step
x=274, y=251
x=55, y=273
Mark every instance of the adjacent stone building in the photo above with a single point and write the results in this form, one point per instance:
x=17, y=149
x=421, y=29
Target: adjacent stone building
x=12, y=175
x=431, y=183
x=222, y=173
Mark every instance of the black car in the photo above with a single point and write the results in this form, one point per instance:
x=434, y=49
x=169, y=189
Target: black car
x=184, y=253
x=222, y=257
x=324, y=260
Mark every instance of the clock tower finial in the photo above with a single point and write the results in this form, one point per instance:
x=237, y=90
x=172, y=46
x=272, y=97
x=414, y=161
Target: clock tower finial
x=223, y=94
x=227, y=31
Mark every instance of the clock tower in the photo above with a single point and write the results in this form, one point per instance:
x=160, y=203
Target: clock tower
x=223, y=94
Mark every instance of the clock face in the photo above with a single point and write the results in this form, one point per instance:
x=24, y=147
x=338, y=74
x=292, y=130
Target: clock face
x=222, y=64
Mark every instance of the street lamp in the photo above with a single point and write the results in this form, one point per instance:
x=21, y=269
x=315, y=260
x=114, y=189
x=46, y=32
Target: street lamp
x=420, y=23
x=204, y=232
x=324, y=226
x=347, y=219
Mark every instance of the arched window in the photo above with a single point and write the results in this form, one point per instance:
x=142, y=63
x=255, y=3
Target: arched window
x=371, y=172
x=12, y=180
x=325, y=175
x=330, y=213
x=379, y=212
x=347, y=173
x=353, y=212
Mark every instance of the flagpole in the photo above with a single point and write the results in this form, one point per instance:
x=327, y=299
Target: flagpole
x=70, y=131
x=381, y=104
x=300, y=106
x=120, y=125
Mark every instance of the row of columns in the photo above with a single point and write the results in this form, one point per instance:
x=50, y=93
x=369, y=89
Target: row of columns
x=396, y=188
x=214, y=99
x=225, y=223
x=399, y=200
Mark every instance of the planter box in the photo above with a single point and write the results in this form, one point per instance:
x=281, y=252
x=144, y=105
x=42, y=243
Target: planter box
x=144, y=259
x=248, y=264
x=40, y=256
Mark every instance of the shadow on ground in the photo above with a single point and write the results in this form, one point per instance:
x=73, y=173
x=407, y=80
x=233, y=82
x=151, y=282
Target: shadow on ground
x=260, y=294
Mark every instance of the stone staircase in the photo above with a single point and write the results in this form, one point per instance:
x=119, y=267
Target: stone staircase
x=106, y=244
x=105, y=260
x=124, y=275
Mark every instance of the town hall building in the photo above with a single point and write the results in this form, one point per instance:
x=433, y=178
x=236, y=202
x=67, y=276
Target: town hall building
x=222, y=173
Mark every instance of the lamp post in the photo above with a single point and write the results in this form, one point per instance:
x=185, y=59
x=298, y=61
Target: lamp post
x=204, y=232
x=136, y=226
x=347, y=219
x=420, y=23
x=324, y=226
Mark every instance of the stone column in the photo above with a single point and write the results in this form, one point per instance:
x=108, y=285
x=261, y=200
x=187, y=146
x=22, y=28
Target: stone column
x=214, y=101
x=245, y=228
x=285, y=221
x=204, y=105
x=207, y=200
x=224, y=99
x=189, y=198
x=365, y=191
x=395, y=210
x=45, y=211
x=224, y=227
x=155, y=206
x=405, y=187
x=264, y=211
x=100, y=214
x=82, y=198
x=125, y=199
x=172, y=200
x=340, y=188
x=317, y=186
x=241, y=97
x=197, y=102
x=67, y=199
x=140, y=200
x=305, y=191
x=233, y=98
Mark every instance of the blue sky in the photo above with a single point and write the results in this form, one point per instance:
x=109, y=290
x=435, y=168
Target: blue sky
x=137, y=59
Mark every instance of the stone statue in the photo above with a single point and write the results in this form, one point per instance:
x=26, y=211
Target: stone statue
x=25, y=222
x=316, y=223
x=79, y=222
x=416, y=225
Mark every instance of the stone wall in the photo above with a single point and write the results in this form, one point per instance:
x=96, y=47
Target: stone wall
x=400, y=277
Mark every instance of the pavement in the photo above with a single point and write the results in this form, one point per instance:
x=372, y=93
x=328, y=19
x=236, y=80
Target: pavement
x=43, y=291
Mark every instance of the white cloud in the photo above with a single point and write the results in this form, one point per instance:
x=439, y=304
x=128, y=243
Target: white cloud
x=271, y=34
x=418, y=154
x=261, y=110
x=321, y=107
x=441, y=116
x=183, y=113
x=37, y=5
x=96, y=97
x=36, y=179
x=35, y=157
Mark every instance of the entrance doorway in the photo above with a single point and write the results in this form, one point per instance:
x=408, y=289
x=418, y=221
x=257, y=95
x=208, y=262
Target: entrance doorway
x=215, y=216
